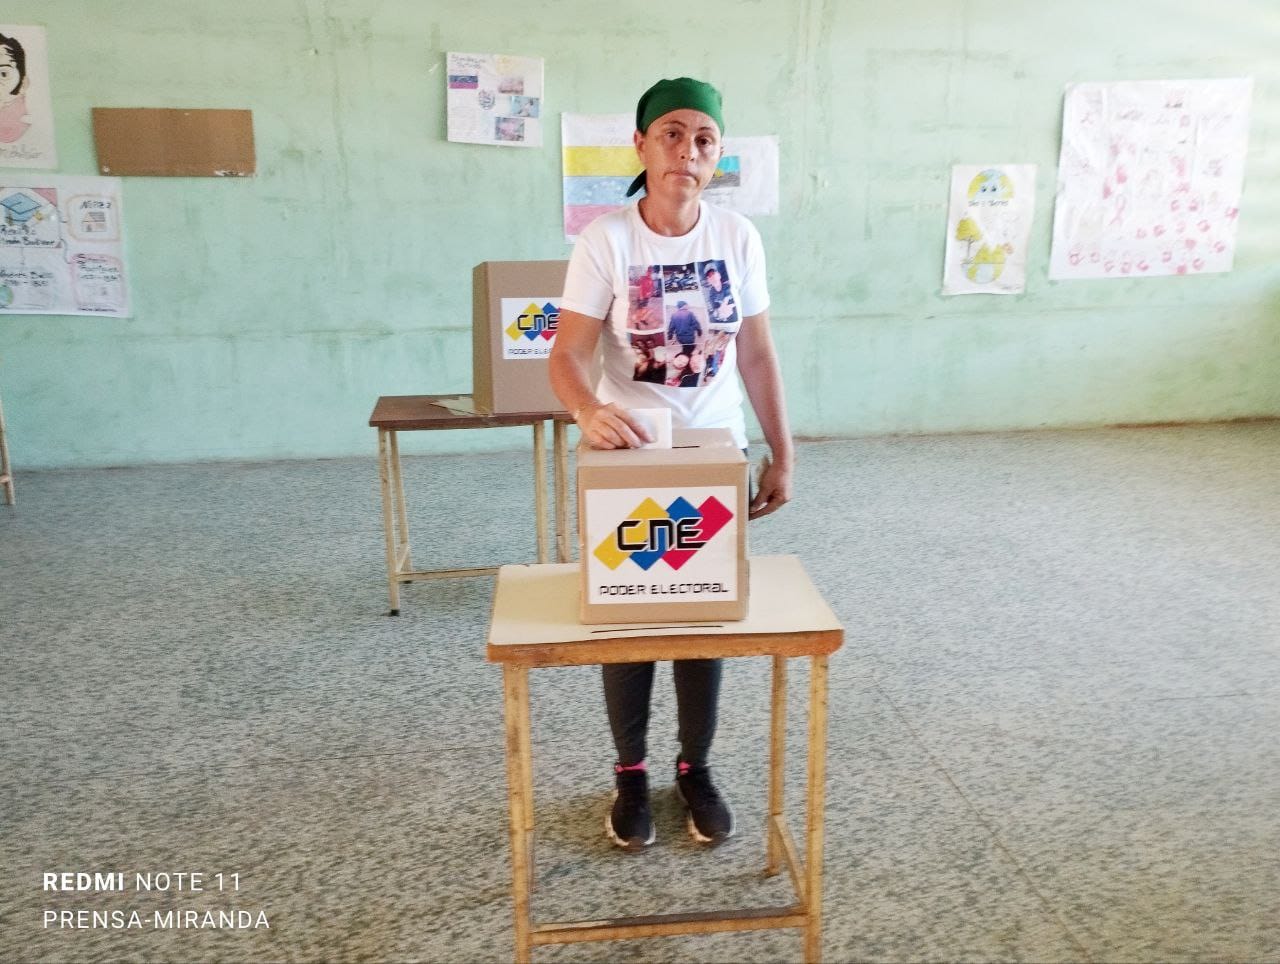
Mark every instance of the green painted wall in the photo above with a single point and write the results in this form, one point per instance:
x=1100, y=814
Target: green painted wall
x=271, y=312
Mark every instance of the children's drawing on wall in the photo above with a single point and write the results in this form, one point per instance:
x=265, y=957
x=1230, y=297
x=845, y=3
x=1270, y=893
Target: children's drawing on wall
x=599, y=158
x=599, y=162
x=1150, y=177
x=26, y=111
x=746, y=179
x=62, y=246
x=988, y=227
x=494, y=99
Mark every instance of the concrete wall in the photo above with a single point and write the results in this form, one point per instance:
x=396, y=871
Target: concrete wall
x=271, y=312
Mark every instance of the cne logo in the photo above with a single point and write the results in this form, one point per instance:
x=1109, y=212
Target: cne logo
x=674, y=534
x=534, y=322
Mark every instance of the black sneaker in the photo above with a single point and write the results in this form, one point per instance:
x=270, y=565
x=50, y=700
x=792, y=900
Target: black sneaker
x=710, y=818
x=629, y=823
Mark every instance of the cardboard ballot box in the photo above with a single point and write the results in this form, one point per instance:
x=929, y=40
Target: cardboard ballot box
x=663, y=532
x=515, y=312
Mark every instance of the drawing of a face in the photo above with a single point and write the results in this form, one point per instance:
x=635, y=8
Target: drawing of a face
x=990, y=185
x=11, y=72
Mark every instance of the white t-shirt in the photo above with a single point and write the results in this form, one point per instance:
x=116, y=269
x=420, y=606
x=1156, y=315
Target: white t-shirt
x=672, y=310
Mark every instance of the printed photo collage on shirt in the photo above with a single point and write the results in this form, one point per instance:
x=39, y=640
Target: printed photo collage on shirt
x=680, y=320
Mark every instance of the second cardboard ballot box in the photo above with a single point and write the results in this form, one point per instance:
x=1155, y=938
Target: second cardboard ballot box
x=663, y=532
x=515, y=313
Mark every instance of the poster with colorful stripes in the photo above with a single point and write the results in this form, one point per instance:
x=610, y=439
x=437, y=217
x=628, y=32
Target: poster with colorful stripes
x=599, y=158
x=600, y=162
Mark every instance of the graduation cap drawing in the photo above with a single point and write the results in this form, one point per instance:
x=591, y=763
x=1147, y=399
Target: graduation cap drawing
x=20, y=207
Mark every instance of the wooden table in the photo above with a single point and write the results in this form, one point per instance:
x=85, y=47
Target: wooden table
x=432, y=413
x=535, y=624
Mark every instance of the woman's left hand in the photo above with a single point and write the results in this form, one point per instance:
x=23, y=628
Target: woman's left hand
x=773, y=491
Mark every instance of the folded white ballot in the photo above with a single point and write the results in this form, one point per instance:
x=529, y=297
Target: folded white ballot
x=658, y=422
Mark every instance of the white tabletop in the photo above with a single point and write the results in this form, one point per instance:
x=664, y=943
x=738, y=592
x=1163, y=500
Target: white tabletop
x=538, y=606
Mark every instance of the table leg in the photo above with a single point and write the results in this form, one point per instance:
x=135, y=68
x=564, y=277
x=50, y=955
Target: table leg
x=515, y=681
x=817, y=799
x=526, y=759
x=540, y=488
x=560, y=436
x=388, y=528
x=6, y=470
x=402, y=517
x=777, y=758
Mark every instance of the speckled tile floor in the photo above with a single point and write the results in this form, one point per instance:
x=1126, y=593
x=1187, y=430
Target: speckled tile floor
x=1053, y=726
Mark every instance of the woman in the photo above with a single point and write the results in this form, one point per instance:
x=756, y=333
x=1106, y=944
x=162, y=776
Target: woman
x=678, y=139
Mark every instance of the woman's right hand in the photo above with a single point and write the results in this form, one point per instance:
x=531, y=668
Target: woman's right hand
x=607, y=426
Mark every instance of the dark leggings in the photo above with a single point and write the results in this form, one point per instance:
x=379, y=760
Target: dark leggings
x=627, y=687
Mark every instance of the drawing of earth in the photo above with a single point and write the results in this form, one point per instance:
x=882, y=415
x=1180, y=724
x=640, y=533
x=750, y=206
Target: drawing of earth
x=986, y=265
x=991, y=185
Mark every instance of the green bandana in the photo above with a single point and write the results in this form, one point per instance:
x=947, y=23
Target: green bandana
x=668, y=95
